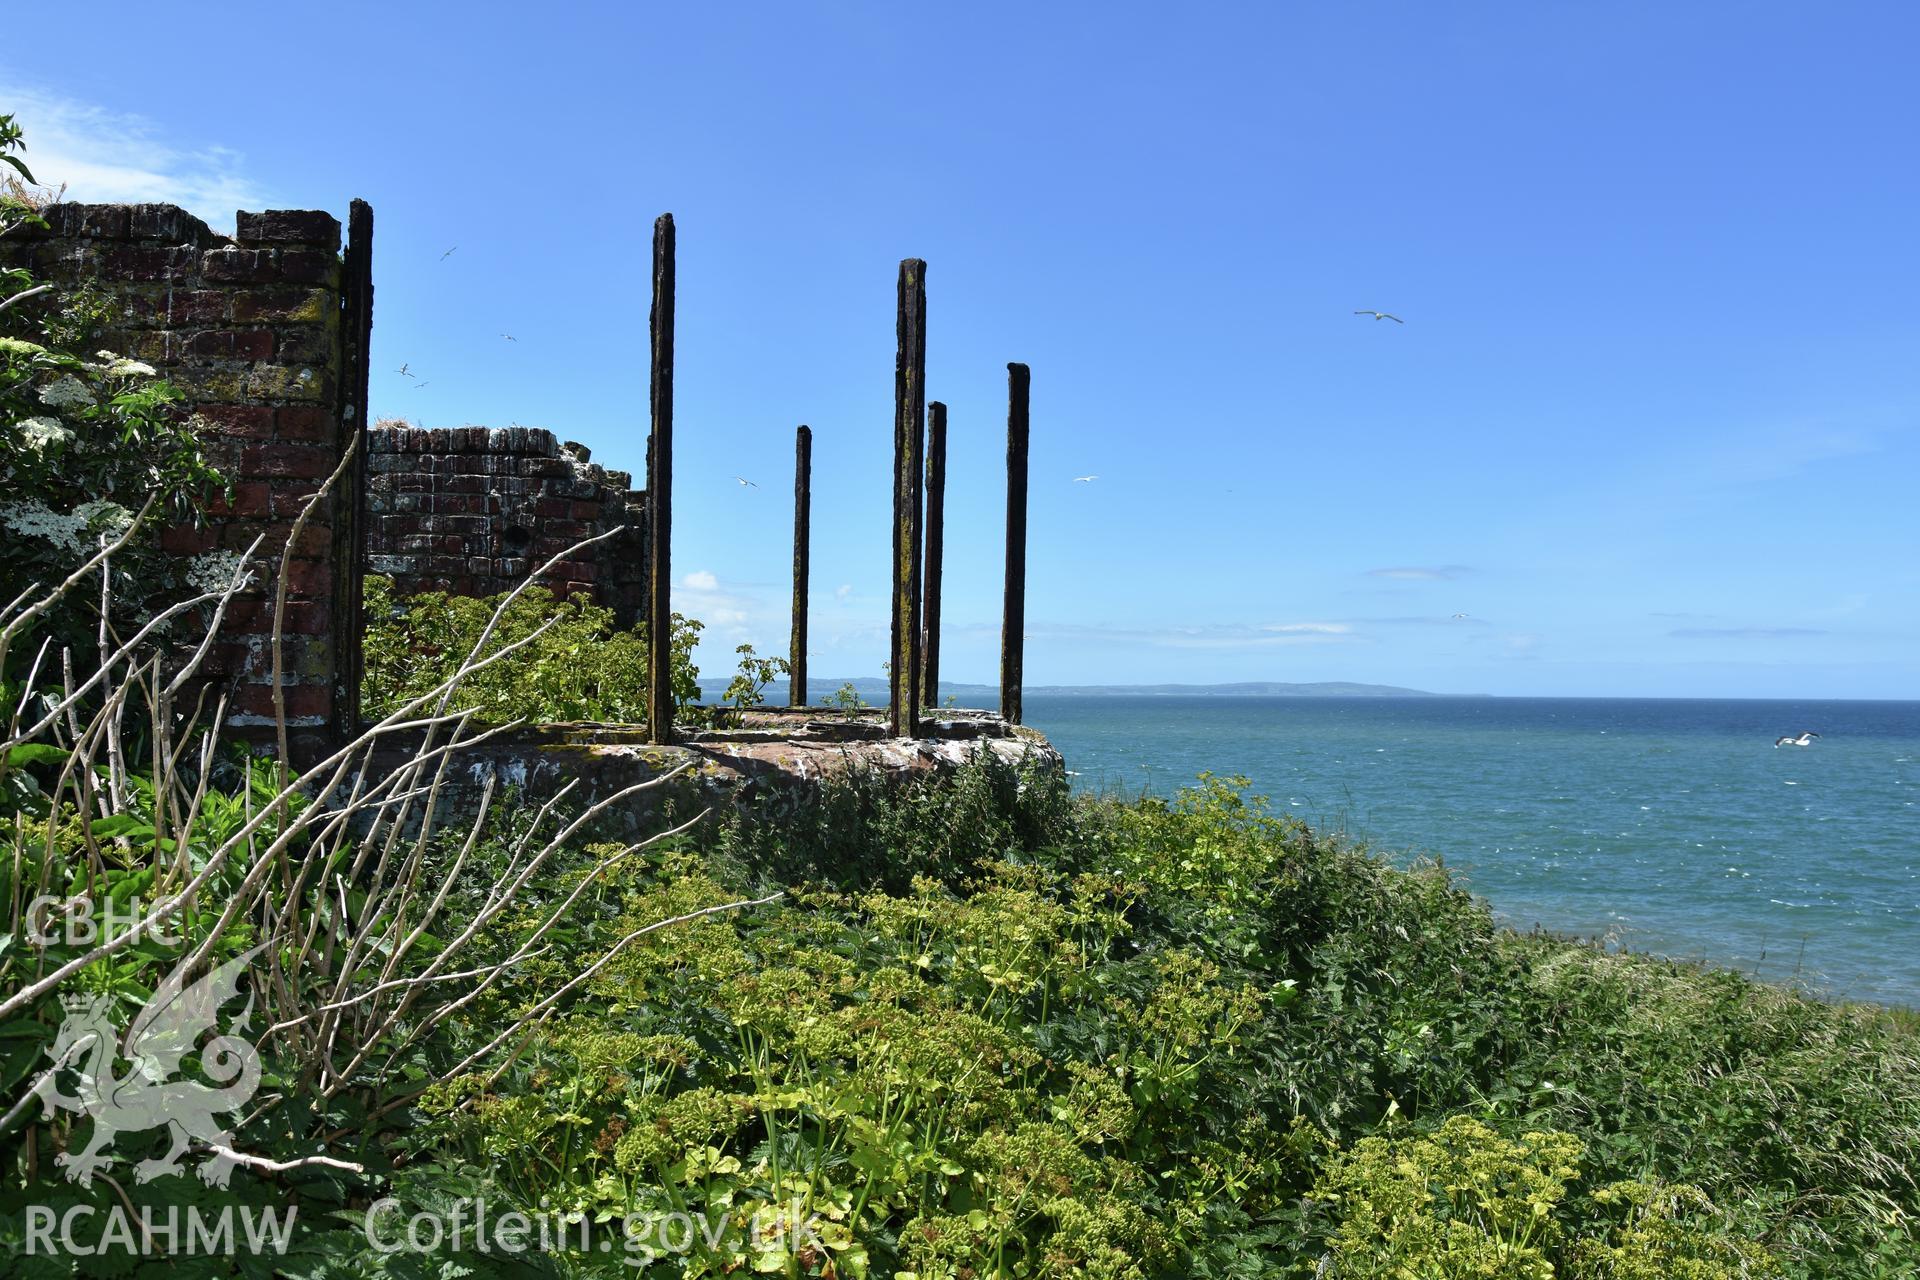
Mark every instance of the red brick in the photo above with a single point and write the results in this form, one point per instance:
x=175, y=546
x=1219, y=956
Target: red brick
x=147, y=262
x=165, y=222
x=207, y=344
x=305, y=342
x=298, y=699
x=312, y=579
x=303, y=422
x=290, y=498
x=205, y=306
x=308, y=618
x=316, y=541
x=240, y=266
x=304, y=305
x=297, y=226
x=250, y=498
x=296, y=461
x=244, y=421
x=185, y=540
x=308, y=266
x=253, y=344
x=107, y=221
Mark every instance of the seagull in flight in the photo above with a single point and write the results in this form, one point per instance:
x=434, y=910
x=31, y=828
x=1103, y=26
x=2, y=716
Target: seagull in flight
x=1458, y=616
x=509, y=337
x=1085, y=479
x=420, y=387
x=1381, y=315
x=746, y=483
x=1804, y=740
x=448, y=254
x=402, y=371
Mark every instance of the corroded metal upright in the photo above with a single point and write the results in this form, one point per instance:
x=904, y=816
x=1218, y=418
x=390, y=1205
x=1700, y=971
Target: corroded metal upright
x=660, y=492
x=1013, y=625
x=350, y=508
x=909, y=436
x=936, y=545
x=802, y=536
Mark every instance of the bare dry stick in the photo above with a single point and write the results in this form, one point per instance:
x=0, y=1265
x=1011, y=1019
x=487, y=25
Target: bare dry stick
x=24, y=294
x=281, y=1166
x=307, y=509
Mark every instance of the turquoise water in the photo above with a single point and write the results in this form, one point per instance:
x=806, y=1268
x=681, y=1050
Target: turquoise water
x=1664, y=825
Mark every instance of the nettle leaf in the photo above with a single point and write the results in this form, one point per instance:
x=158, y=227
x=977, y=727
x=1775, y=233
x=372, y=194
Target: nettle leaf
x=27, y=753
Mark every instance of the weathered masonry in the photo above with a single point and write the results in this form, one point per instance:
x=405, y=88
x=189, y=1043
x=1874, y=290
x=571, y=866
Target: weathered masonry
x=472, y=511
x=268, y=332
x=251, y=328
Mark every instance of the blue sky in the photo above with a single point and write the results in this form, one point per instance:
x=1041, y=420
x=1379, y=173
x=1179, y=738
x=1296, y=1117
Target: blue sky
x=1650, y=422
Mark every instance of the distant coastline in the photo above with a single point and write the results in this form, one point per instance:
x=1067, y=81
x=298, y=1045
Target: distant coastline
x=870, y=688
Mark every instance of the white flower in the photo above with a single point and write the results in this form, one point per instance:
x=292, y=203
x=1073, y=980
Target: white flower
x=43, y=433
x=76, y=530
x=37, y=520
x=215, y=570
x=121, y=366
x=104, y=516
x=66, y=392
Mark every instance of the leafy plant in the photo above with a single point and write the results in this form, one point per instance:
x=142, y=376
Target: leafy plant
x=748, y=687
x=563, y=658
x=1465, y=1201
x=93, y=447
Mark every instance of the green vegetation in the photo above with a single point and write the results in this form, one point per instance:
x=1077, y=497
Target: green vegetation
x=91, y=445
x=563, y=659
x=961, y=1026
x=997, y=1031
x=748, y=687
x=994, y=1030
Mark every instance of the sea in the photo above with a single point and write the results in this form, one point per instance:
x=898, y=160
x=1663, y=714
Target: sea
x=1662, y=825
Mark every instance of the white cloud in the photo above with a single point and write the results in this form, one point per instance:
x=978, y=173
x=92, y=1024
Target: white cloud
x=109, y=157
x=843, y=591
x=1227, y=636
x=1423, y=573
x=1744, y=633
x=701, y=580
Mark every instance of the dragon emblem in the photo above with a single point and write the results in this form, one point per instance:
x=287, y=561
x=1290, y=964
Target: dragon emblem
x=152, y=1093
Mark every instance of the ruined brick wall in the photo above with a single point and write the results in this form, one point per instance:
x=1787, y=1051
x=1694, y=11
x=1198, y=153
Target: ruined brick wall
x=249, y=326
x=255, y=329
x=474, y=510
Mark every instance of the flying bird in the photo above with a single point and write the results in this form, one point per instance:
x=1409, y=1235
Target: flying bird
x=509, y=337
x=746, y=482
x=420, y=386
x=1085, y=479
x=1381, y=315
x=402, y=371
x=448, y=254
x=1804, y=740
x=1458, y=616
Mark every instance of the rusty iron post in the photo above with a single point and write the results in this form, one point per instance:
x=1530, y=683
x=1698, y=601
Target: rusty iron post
x=1013, y=626
x=660, y=492
x=802, y=537
x=909, y=436
x=936, y=547
x=350, y=508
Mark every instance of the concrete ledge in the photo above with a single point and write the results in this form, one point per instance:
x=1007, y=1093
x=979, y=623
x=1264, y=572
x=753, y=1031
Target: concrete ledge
x=728, y=766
